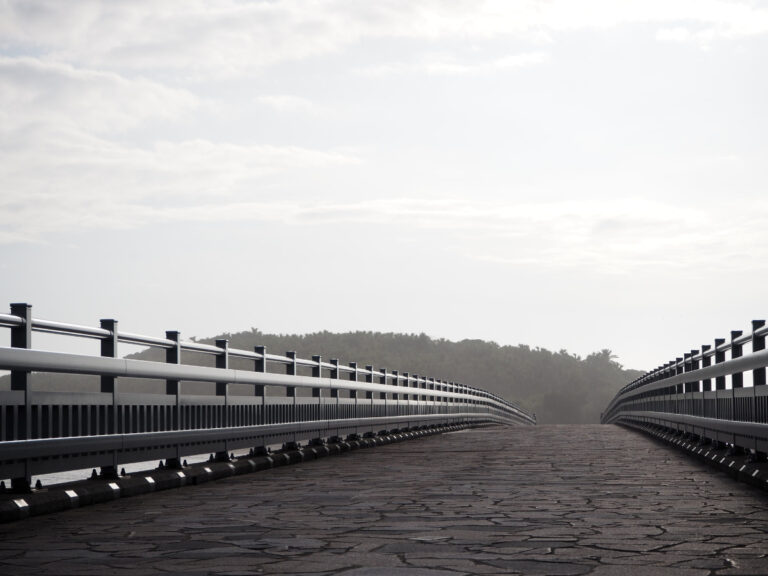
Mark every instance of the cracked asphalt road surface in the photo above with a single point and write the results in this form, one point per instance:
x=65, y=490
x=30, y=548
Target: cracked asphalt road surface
x=555, y=500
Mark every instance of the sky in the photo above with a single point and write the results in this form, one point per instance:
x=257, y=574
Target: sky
x=568, y=175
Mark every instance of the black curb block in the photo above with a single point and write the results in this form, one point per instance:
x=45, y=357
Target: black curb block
x=737, y=466
x=93, y=491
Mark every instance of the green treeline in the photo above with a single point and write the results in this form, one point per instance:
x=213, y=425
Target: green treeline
x=557, y=386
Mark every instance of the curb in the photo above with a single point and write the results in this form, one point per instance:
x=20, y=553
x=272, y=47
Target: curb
x=59, y=498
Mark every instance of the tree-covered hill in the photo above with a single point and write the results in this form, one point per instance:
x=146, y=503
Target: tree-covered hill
x=557, y=386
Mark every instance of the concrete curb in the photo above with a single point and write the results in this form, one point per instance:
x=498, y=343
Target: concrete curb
x=737, y=466
x=63, y=497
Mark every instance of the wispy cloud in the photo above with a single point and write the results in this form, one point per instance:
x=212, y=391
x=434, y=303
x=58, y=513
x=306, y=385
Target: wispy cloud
x=448, y=65
x=69, y=181
x=202, y=39
x=43, y=92
x=287, y=103
x=622, y=236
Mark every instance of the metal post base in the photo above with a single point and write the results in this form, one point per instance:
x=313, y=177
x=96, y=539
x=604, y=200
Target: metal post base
x=221, y=457
x=21, y=485
x=173, y=464
x=756, y=457
x=108, y=473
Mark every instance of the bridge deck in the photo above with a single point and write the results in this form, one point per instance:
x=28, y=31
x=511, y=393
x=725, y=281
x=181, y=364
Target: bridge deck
x=596, y=500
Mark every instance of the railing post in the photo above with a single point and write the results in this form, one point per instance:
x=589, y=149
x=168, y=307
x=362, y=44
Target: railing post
x=719, y=358
x=353, y=378
x=706, y=383
x=758, y=374
x=758, y=343
x=719, y=380
x=222, y=390
x=758, y=379
x=677, y=368
x=173, y=356
x=353, y=392
x=260, y=366
x=369, y=379
x=383, y=395
x=335, y=376
x=687, y=362
x=261, y=363
x=697, y=399
x=21, y=337
x=109, y=386
x=317, y=372
x=222, y=362
x=737, y=380
x=383, y=380
x=290, y=391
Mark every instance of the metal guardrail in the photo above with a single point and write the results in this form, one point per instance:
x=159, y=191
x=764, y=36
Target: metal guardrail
x=52, y=431
x=704, y=394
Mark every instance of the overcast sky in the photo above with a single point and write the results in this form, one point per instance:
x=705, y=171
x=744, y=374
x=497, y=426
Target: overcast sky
x=566, y=174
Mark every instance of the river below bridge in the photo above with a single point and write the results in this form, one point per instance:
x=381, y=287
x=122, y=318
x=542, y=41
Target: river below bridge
x=559, y=500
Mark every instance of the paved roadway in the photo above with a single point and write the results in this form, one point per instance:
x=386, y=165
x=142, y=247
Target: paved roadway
x=559, y=500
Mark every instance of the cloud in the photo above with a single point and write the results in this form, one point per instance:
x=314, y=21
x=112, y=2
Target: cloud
x=200, y=39
x=287, y=103
x=623, y=236
x=446, y=65
x=69, y=181
x=676, y=34
x=37, y=92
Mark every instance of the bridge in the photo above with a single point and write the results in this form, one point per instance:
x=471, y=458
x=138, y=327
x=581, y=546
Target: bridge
x=390, y=473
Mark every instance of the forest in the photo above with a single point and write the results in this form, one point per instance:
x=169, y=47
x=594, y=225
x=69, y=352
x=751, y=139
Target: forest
x=559, y=387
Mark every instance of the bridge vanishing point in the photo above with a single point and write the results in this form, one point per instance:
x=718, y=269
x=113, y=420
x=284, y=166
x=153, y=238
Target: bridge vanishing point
x=406, y=476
